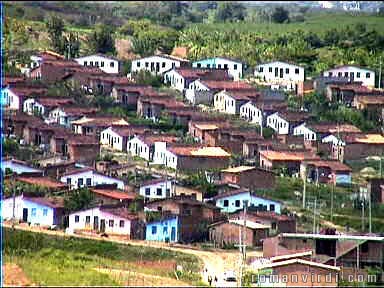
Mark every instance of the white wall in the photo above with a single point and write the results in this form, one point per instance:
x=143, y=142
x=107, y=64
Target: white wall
x=164, y=64
x=224, y=103
x=192, y=88
x=7, y=208
x=348, y=71
x=10, y=99
x=175, y=79
x=163, y=156
x=110, y=138
x=136, y=145
x=81, y=224
x=106, y=64
x=268, y=72
x=153, y=190
x=94, y=177
x=222, y=63
x=307, y=133
x=251, y=113
x=278, y=124
x=332, y=139
x=31, y=104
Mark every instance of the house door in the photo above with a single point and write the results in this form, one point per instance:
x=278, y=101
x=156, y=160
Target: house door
x=352, y=75
x=102, y=225
x=96, y=223
x=157, y=67
x=173, y=234
x=281, y=72
x=276, y=71
x=25, y=214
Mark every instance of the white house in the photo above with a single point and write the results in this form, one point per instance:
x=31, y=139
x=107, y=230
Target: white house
x=156, y=189
x=137, y=147
x=252, y=113
x=280, y=73
x=302, y=129
x=108, y=220
x=7, y=207
x=164, y=157
x=87, y=177
x=336, y=141
x=229, y=102
x=42, y=106
x=353, y=73
x=114, y=138
x=316, y=132
x=234, y=67
x=65, y=115
x=283, y=122
x=157, y=64
x=106, y=63
x=176, y=79
x=18, y=166
x=11, y=99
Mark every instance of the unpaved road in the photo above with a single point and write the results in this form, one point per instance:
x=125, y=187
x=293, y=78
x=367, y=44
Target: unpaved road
x=215, y=261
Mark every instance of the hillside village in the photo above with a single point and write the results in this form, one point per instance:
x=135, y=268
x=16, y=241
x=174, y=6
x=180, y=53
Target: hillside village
x=218, y=156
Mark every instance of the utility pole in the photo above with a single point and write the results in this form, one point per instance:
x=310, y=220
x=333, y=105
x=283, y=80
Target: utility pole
x=314, y=216
x=370, y=211
x=305, y=185
x=362, y=216
x=332, y=191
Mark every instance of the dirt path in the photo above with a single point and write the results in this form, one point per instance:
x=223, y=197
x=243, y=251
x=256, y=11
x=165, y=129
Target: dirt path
x=215, y=261
x=14, y=276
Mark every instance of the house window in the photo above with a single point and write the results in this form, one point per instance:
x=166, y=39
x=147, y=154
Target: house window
x=273, y=226
x=68, y=181
x=163, y=65
x=165, y=230
x=146, y=64
x=89, y=182
x=121, y=224
x=234, y=66
x=219, y=66
x=80, y=182
x=147, y=191
x=97, y=63
x=297, y=71
x=91, y=63
x=45, y=212
x=138, y=64
x=357, y=74
x=102, y=63
x=330, y=74
x=339, y=74
x=286, y=70
x=77, y=218
x=237, y=203
x=225, y=66
x=261, y=69
x=154, y=230
x=87, y=219
x=270, y=69
x=226, y=203
x=367, y=75
x=272, y=207
x=198, y=65
x=111, y=222
x=112, y=64
x=85, y=63
x=346, y=74
x=159, y=191
x=209, y=66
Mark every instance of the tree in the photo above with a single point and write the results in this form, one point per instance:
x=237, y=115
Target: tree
x=78, y=199
x=72, y=45
x=101, y=40
x=55, y=27
x=230, y=11
x=280, y=15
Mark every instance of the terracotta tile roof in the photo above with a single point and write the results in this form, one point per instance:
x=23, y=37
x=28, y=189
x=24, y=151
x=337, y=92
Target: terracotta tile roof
x=333, y=165
x=152, y=138
x=184, y=200
x=114, y=194
x=118, y=80
x=12, y=80
x=130, y=130
x=207, y=74
x=53, y=202
x=78, y=111
x=333, y=128
x=288, y=155
x=54, y=102
x=82, y=140
x=226, y=85
x=28, y=91
x=121, y=212
x=78, y=170
x=100, y=121
x=370, y=99
x=42, y=181
x=249, y=94
x=199, y=151
x=135, y=88
x=50, y=55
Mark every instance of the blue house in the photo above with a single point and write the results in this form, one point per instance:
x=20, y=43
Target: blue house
x=43, y=211
x=231, y=201
x=166, y=229
x=234, y=67
x=18, y=167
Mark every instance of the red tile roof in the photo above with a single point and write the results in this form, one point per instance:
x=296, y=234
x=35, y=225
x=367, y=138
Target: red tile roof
x=114, y=194
x=152, y=182
x=206, y=74
x=288, y=155
x=294, y=116
x=28, y=91
x=77, y=140
x=150, y=139
x=128, y=131
x=78, y=111
x=120, y=212
x=226, y=85
x=333, y=128
x=42, y=181
x=54, y=102
x=333, y=165
x=248, y=94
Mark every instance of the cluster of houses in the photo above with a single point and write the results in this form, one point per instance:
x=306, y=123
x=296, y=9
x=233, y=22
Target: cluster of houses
x=71, y=137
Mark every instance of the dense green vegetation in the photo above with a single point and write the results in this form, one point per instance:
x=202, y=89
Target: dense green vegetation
x=50, y=260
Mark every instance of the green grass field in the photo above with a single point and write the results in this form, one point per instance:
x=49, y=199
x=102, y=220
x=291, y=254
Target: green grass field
x=50, y=260
x=317, y=23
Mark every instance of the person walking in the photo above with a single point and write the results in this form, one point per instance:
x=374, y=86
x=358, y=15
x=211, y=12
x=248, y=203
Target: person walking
x=210, y=280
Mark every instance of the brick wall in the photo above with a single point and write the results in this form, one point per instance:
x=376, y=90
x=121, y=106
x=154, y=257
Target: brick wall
x=84, y=153
x=201, y=163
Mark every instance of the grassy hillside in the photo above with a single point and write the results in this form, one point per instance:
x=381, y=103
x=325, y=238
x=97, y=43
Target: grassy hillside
x=314, y=22
x=50, y=260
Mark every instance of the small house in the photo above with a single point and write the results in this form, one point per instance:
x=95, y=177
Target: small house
x=42, y=106
x=92, y=125
x=156, y=189
x=329, y=172
x=316, y=132
x=249, y=177
x=88, y=177
x=106, y=63
x=158, y=64
x=283, y=122
x=65, y=115
x=353, y=73
x=235, y=67
x=118, y=137
x=233, y=200
x=165, y=229
x=230, y=101
x=104, y=195
x=111, y=220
